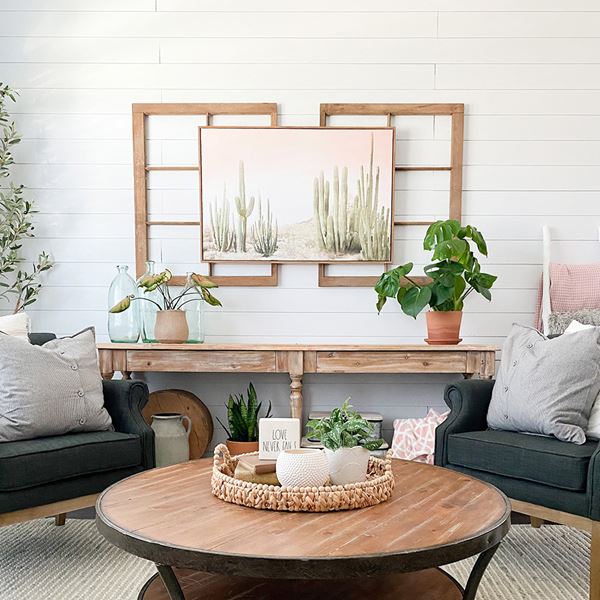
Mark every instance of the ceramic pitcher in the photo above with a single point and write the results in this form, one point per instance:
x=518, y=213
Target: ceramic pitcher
x=171, y=438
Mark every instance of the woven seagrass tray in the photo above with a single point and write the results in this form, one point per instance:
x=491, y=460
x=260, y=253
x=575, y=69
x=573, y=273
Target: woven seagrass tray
x=376, y=489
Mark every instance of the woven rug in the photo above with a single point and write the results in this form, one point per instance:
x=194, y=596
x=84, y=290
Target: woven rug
x=39, y=561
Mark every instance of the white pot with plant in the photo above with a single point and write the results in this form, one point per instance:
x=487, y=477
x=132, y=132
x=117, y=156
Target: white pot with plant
x=347, y=439
x=454, y=275
x=171, y=324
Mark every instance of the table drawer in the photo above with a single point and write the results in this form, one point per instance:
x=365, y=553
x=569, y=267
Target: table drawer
x=392, y=362
x=199, y=361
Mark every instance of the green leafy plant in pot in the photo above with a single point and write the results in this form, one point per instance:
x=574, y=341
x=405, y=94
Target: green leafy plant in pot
x=242, y=418
x=347, y=439
x=454, y=275
x=171, y=324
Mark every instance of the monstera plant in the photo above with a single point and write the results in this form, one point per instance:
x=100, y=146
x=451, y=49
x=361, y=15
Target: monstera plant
x=451, y=278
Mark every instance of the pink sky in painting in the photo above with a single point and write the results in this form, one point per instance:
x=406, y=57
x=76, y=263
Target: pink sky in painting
x=281, y=164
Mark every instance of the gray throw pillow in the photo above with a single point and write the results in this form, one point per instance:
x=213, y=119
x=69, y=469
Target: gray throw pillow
x=51, y=389
x=546, y=386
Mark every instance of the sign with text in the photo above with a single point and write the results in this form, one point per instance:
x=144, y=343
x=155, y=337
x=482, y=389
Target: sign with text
x=276, y=435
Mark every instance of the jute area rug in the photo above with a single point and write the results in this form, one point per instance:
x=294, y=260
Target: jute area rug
x=39, y=561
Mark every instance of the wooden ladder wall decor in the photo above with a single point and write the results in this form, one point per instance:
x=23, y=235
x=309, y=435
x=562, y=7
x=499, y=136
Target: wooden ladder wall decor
x=141, y=170
x=456, y=112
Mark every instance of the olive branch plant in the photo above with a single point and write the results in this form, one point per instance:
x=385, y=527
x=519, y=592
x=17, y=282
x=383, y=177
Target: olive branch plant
x=16, y=282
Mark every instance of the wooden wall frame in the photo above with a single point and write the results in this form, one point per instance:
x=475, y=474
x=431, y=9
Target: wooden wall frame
x=141, y=169
x=456, y=112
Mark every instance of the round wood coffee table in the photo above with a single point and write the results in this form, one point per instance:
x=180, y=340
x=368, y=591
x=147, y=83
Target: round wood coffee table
x=389, y=551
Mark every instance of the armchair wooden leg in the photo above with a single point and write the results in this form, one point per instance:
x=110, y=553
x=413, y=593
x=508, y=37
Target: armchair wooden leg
x=60, y=519
x=536, y=522
x=595, y=562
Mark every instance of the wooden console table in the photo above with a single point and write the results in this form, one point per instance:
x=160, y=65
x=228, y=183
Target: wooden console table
x=297, y=359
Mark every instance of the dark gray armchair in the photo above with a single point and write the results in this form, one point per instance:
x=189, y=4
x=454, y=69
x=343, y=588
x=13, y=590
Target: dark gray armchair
x=544, y=477
x=53, y=475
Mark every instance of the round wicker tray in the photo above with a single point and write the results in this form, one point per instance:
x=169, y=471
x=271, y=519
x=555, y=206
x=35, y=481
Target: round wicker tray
x=376, y=489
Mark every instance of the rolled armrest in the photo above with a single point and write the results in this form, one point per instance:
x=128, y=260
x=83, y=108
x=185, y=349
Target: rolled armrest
x=124, y=400
x=468, y=401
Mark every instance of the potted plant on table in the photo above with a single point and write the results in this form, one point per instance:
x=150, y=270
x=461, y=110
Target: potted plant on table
x=242, y=418
x=171, y=324
x=454, y=275
x=347, y=439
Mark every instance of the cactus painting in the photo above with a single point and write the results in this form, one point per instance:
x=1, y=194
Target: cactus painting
x=303, y=194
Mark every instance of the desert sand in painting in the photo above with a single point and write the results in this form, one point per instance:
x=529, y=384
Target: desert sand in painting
x=305, y=208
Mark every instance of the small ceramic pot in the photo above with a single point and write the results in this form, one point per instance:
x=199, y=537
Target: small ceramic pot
x=443, y=327
x=171, y=327
x=171, y=438
x=347, y=465
x=236, y=447
x=303, y=467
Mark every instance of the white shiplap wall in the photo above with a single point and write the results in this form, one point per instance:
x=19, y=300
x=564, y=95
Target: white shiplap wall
x=528, y=72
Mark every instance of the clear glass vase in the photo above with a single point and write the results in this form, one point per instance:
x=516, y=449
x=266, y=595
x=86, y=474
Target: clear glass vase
x=147, y=309
x=124, y=326
x=194, y=314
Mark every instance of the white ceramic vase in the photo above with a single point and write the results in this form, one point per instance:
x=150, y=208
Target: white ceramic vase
x=347, y=465
x=303, y=467
x=171, y=438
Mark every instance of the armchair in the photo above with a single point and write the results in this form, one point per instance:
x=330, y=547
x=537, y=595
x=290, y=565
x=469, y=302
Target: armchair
x=54, y=475
x=545, y=478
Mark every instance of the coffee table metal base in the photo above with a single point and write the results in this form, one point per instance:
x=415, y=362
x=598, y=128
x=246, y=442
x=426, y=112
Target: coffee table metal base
x=430, y=584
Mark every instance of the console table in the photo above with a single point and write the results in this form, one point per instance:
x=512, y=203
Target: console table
x=296, y=359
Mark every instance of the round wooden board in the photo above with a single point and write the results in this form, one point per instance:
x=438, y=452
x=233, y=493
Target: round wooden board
x=430, y=584
x=185, y=403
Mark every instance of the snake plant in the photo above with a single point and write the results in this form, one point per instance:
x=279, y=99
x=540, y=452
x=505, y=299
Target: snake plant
x=242, y=416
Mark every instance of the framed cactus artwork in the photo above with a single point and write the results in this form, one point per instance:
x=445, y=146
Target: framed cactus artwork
x=296, y=194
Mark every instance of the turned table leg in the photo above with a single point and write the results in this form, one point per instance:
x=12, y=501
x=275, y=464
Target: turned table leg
x=295, y=367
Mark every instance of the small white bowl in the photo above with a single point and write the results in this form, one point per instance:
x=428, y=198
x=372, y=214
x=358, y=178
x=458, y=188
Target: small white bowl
x=302, y=467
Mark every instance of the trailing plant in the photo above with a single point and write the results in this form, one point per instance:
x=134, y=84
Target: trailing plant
x=454, y=275
x=343, y=428
x=222, y=225
x=334, y=219
x=244, y=210
x=373, y=222
x=16, y=282
x=242, y=416
x=196, y=285
x=264, y=232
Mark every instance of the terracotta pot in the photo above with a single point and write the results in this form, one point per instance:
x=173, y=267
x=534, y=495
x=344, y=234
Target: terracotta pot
x=235, y=447
x=443, y=327
x=171, y=327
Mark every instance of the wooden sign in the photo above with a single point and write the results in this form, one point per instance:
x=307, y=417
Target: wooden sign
x=276, y=435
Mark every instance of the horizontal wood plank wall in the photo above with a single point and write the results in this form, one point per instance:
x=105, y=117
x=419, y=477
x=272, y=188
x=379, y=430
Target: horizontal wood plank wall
x=527, y=73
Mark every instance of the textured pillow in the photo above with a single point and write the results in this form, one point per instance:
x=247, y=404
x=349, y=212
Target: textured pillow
x=559, y=323
x=16, y=325
x=546, y=386
x=593, y=428
x=51, y=389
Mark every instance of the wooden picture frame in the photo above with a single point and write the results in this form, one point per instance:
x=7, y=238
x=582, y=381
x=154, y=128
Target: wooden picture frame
x=453, y=110
x=140, y=113
x=386, y=137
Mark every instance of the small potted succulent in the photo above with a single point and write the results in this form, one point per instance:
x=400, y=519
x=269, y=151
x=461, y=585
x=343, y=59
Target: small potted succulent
x=347, y=439
x=455, y=273
x=171, y=324
x=242, y=418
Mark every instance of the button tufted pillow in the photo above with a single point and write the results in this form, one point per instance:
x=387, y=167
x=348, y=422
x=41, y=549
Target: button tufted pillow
x=51, y=389
x=546, y=386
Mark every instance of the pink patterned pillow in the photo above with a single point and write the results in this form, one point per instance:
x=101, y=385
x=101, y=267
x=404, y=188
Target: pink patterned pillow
x=414, y=439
